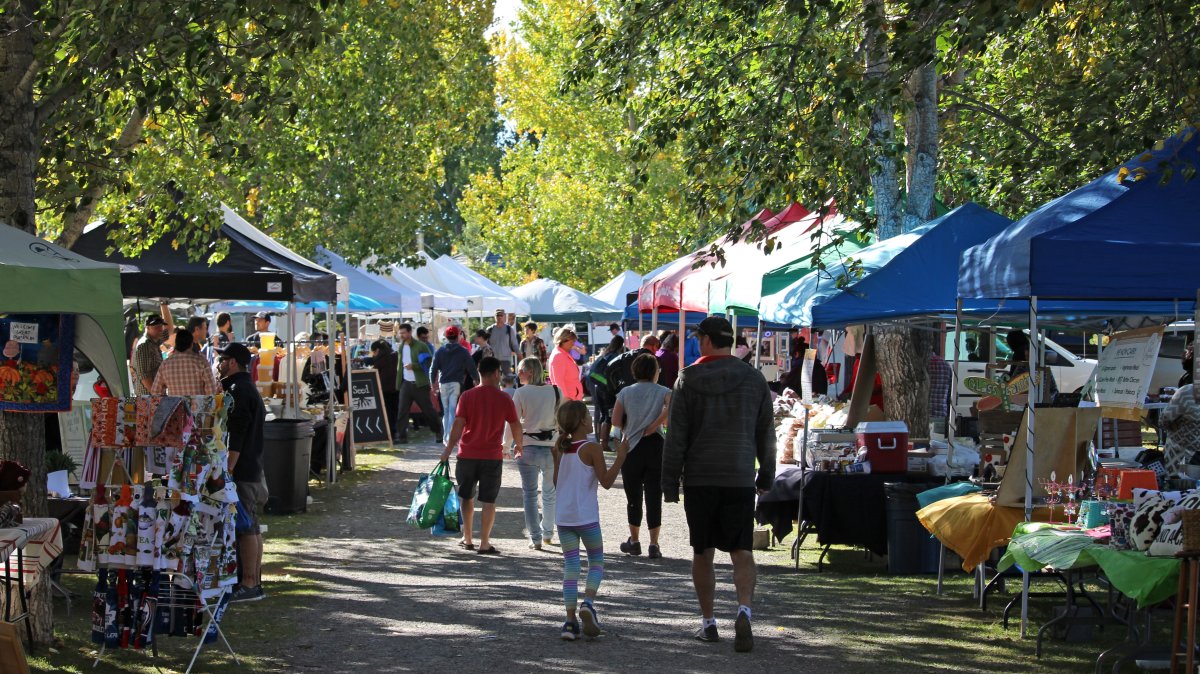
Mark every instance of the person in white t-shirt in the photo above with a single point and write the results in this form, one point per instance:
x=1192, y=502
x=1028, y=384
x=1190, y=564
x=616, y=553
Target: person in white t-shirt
x=536, y=402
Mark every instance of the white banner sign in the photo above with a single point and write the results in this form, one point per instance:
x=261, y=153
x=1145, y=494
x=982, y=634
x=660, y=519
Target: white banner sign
x=24, y=333
x=1123, y=374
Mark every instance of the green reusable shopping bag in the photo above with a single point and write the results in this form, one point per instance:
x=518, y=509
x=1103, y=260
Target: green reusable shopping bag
x=439, y=490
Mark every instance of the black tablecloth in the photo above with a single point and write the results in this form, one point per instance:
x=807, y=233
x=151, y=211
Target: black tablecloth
x=845, y=509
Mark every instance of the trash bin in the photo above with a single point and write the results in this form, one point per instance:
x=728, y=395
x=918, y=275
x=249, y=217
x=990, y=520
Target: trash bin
x=911, y=549
x=287, y=447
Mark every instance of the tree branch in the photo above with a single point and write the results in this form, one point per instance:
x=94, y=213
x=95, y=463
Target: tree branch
x=969, y=103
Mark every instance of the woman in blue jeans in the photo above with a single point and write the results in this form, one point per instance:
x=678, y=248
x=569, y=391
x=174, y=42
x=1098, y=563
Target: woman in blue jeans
x=536, y=404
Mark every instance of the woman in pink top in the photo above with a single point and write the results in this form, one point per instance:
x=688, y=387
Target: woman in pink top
x=564, y=372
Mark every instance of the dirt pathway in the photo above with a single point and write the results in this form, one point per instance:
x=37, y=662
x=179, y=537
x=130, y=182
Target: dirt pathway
x=396, y=599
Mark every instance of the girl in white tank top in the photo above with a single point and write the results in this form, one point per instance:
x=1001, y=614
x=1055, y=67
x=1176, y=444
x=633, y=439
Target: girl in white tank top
x=579, y=468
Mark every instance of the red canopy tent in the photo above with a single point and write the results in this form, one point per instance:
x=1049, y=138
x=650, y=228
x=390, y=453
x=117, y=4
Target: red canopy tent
x=684, y=285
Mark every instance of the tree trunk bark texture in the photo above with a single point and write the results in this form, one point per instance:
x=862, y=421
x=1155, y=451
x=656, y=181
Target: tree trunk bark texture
x=22, y=436
x=884, y=178
x=921, y=131
x=902, y=355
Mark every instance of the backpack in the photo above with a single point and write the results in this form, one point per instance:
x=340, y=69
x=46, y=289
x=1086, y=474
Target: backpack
x=507, y=331
x=599, y=371
x=619, y=372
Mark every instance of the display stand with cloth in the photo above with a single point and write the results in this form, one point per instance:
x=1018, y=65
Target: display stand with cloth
x=28, y=549
x=842, y=509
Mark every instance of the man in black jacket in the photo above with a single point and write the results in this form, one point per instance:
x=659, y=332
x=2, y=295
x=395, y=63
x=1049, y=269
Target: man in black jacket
x=245, y=426
x=721, y=425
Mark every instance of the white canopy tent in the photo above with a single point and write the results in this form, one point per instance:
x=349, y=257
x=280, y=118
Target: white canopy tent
x=485, y=295
x=433, y=297
x=615, y=291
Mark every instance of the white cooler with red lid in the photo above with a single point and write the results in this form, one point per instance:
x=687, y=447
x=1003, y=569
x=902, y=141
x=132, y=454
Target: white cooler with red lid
x=886, y=443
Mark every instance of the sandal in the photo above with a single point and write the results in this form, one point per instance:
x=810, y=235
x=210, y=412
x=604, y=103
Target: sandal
x=466, y=546
x=490, y=551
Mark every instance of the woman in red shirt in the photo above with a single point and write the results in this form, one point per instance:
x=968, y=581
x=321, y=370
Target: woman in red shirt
x=564, y=372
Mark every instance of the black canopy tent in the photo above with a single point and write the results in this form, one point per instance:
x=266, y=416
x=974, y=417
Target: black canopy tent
x=255, y=268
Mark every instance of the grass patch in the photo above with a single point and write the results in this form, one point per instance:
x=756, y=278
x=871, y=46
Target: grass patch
x=252, y=629
x=876, y=618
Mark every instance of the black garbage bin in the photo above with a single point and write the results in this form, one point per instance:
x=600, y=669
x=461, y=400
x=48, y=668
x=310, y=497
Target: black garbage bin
x=910, y=547
x=287, y=448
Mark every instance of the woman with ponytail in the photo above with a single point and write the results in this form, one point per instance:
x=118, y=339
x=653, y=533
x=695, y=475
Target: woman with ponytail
x=579, y=467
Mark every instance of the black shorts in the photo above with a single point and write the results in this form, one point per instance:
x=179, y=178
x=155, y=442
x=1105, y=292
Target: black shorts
x=484, y=472
x=720, y=517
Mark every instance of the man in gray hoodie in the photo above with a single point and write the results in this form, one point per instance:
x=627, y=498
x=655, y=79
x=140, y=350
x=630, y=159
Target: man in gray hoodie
x=720, y=425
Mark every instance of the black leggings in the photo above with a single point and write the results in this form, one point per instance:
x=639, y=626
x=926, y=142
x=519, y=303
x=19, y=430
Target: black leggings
x=642, y=471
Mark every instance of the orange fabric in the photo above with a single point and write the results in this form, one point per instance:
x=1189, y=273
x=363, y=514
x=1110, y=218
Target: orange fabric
x=972, y=526
x=1135, y=479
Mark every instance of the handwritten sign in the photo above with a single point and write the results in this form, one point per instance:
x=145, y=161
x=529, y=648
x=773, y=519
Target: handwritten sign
x=1122, y=377
x=23, y=333
x=366, y=401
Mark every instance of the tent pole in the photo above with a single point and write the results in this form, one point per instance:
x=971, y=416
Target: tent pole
x=640, y=330
x=1035, y=391
x=347, y=459
x=682, y=334
x=654, y=320
x=293, y=376
x=952, y=418
x=758, y=345
x=330, y=415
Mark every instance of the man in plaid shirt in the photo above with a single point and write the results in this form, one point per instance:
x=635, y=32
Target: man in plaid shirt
x=147, y=355
x=941, y=379
x=185, y=372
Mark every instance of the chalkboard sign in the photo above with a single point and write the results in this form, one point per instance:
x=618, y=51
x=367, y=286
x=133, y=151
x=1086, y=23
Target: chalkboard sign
x=367, y=405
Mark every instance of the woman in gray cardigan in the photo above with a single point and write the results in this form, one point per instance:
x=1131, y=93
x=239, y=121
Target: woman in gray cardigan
x=640, y=412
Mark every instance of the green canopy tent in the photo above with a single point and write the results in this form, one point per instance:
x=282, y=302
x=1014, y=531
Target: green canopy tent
x=42, y=278
x=832, y=237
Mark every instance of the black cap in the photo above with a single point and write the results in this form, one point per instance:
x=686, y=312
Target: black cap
x=238, y=352
x=155, y=320
x=264, y=314
x=715, y=326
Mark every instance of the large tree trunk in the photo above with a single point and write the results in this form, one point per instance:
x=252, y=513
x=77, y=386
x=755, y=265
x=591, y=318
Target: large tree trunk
x=902, y=355
x=921, y=132
x=882, y=136
x=22, y=436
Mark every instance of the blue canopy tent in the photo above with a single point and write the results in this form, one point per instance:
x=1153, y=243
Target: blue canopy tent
x=380, y=290
x=1125, y=235
x=915, y=274
x=358, y=303
x=912, y=274
x=1132, y=234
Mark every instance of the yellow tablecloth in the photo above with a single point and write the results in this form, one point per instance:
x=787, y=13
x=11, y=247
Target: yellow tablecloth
x=40, y=539
x=972, y=525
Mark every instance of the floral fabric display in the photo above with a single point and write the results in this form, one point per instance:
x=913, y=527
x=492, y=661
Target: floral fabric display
x=182, y=520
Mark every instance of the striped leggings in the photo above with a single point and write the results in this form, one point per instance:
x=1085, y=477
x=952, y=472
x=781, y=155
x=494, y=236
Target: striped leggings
x=569, y=537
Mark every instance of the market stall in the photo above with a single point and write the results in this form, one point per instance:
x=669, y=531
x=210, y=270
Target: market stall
x=58, y=303
x=1088, y=245
x=254, y=267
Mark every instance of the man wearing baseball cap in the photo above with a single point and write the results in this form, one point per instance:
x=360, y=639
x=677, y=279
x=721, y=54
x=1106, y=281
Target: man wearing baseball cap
x=262, y=323
x=448, y=371
x=721, y=425
x=245, y=426
x=504, y=341
x=147, y=355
